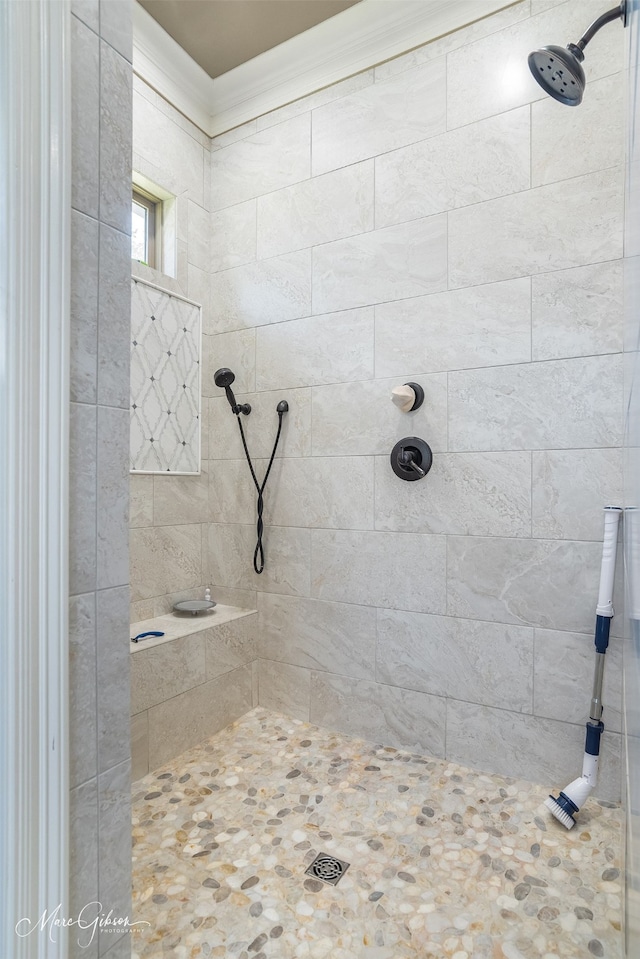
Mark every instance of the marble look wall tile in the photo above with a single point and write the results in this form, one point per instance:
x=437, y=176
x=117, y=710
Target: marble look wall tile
x=237, y=351
x=83, y=860
x=255, y=683
x=187, y=719
x=268, y=160
x=570, y=488
x=486, y=325
x=563, y=678
x=379, y=423
x=397, y=570
x=389, y=264
x=163, y=559
x=116, y=26
x=631, y=269
x=528, y=582
x=121, y=948
x=382, y=714
x=139, y=746
x=228, y=596
x=84, y=308
x=476, y=89
x=477, y=494
x=329, y=636
x=321, y=492
x=539, y=6
x=303, y=492
x=114, y=848
x=368, y=122
x=113, y=641
x=162, y=672
x=114, y=317
x=287, y=559
x=284, y=688
x=113, y=502
x=178, y=158
x=337, y=347
x=233, y=236
x=268, y=291
x=142, y=610
x=230, y=645
x=82, y=688
x=180, y=500
x=115, y=134
x=456, y=658
x=196, y=287
x=325, y=208
x=172, y=284
x=555, y=133
x=88, y=11
x=232, y=492
x=198, y=238
x=140, y=500
x=82, y=493
x=261, y=425
x=468, y=165
x=231, y=136
x=85, y=115
x=162, y=605
x=541, y=750
x=577, y=312
x=319, y=98
x=557, y=404
x=452, y=41
x=510, y=236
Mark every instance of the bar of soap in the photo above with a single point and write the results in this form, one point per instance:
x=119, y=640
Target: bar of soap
x=404, y=397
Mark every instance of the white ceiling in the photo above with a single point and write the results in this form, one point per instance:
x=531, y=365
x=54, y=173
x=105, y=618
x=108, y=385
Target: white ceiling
x=221, y=34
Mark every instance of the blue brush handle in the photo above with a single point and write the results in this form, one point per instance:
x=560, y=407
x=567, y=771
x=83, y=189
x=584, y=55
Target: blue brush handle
x=134, y=639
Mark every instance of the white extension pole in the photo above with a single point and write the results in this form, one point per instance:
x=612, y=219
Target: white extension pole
x=576, y=793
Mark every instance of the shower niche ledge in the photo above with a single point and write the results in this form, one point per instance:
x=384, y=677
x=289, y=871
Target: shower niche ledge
x=191, y=682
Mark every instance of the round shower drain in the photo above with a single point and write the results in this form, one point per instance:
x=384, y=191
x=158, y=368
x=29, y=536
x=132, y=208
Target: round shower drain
x=327, y=868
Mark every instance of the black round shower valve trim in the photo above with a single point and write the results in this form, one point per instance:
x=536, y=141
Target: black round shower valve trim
x=411, y=458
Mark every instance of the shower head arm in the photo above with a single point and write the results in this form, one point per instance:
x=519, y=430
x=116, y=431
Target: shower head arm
x=617, y=13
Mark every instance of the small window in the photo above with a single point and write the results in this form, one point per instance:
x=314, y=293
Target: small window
x=146, y=228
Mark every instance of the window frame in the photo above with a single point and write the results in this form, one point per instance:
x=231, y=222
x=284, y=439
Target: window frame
x=153, y=206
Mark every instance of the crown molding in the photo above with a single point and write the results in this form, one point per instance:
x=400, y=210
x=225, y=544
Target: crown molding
x=356, y=39
x=170, y=71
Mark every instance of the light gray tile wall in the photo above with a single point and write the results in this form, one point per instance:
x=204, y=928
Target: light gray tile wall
x=487, y=268
x=169, y=513
x=99, y=362
x=186, y=690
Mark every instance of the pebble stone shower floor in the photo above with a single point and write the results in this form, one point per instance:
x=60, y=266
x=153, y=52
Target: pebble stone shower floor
x=444, y=861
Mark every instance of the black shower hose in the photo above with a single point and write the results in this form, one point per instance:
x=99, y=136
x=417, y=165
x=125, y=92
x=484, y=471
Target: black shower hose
x=258, y=556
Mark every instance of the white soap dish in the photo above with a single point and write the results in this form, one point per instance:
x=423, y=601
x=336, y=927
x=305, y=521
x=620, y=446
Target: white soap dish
x=194, y=606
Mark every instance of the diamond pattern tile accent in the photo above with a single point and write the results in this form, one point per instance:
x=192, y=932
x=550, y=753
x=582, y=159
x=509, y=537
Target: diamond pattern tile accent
x=165, y=381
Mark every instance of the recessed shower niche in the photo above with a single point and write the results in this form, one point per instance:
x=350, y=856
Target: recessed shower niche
x=165, y=381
